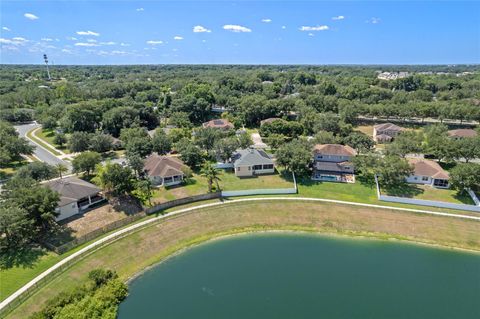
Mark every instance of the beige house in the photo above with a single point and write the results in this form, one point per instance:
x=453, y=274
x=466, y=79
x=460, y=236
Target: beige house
x=332, y=162
x=164, y=170
x=76, y=195
x=428, y=172
x=386, y=132
x=250, y=162
x=222, y=124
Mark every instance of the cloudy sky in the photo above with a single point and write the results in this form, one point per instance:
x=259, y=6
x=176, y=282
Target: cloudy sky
x=244, y=32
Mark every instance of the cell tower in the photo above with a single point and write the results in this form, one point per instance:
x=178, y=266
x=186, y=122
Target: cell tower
x=45, y=58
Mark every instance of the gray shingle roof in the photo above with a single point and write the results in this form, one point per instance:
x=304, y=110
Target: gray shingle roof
x=251, y=156
x=71, y=189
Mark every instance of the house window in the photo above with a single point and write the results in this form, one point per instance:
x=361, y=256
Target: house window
x=268, y=166
x=425, y=178
x=257, y=167
x=440, y=183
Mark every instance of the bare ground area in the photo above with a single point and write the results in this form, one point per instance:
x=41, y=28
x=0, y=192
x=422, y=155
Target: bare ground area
x=94, y=219
x=150, y=245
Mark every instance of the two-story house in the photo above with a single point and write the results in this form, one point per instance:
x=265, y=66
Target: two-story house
x=332, y=162
x=386, y=132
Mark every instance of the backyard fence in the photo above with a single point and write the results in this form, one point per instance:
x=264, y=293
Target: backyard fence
x=182, y=201
x=431, y=203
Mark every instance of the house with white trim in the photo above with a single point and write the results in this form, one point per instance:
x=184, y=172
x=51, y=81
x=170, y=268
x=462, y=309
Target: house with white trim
x=428, y=172
x=251, y=161
x=164, y=170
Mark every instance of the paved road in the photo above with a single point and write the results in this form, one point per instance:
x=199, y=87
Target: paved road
x=41, y=153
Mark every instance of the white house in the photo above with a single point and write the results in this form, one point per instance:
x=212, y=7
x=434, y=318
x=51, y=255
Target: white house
x=250, y=162
x=386, y=132
x=164, y=170
x=428, y=172
x=76, y=195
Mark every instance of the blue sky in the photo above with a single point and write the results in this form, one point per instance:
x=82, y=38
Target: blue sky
x=243, y=32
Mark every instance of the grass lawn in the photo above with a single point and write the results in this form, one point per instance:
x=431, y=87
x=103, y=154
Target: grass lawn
x=228, y=181
x=10, y=169
x=133, y=253
x=38, y=140
x=48, y=136
x=367, y=129
x=430, y=193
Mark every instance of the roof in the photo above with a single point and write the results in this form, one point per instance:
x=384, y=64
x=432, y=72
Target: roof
x=269, y=120
x=71, y=189
x=383, y=137
x=251, y=156
x=334, y=149
x=218, y=123
x=163, y=166
x=424, y=167
x=464, y=132
x=388, y=127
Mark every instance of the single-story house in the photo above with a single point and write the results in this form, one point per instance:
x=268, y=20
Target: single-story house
x=386, y=132
x=428, y=172
x=462, y=133
x=76, y=195
x=250, y=162
x=332, y=162
x=222, y=124
x=164, y=170
x=269, y=120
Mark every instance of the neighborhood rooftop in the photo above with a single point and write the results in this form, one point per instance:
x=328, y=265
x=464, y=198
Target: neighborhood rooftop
x=218, y=123
x=251, y=156
x=388, y=127
x=462, y=133
x=335, y=149
x=424, y=167
x=71, y=189
x=164, y=166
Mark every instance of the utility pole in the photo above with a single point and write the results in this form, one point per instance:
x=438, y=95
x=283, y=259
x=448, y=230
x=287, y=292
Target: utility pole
x=45, y=58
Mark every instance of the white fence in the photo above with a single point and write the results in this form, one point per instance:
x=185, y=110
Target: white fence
x=423, y=202
x=431, y=203
x=474, y=197
x=268, y=191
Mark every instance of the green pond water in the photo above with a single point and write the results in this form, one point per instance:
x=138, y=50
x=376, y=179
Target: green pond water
x=308, y=276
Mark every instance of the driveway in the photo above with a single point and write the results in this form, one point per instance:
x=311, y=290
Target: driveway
x=41, y=153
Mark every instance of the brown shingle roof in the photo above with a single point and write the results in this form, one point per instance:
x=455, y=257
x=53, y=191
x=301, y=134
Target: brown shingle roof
x=71, y=189
x=269, y=120
x=424, y=167
x=163, y=166
x=219, y=123
x=464, y=132
x=388, y=126
x=334, y=149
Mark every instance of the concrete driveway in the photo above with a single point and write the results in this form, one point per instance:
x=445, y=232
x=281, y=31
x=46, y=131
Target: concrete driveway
x=41, y=153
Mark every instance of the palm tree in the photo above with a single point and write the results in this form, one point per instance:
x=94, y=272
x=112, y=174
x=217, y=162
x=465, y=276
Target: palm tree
x=211, y=174
x=61, y=168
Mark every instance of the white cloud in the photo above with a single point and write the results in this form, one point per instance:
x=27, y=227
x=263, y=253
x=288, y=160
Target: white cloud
x=20, y=39
x=31, y=16
x=108, y=43
x=199, y=29
x=66, y=51
x=46, y=39
x=140, y=9
x=124, y=44
x=154, y=42
x=338, y=18
x=91, y=40
x=5, y=41
x=95, y=34
x=177, y=37
x=6, y=29
x=236, y=28
x=373, y=20
x=311, y=34
x=86, y=44
x=14, y=41
x=316, y=28
x=266, y=20
x=72, y=38
x=284, y=27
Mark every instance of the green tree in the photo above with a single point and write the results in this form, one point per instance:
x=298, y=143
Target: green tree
x=38, y=171
x=190, y=154
x=86, y=162
x=16, y=228
x=114, y=179
x=361, y=142
x=465, y=176
x=11, y=146
x=143, y=191
x=79, y=142
x=61, y=169
x=406, y=143
x=161, y=143
x=225, y=148
x=295, y=156
x=212, y=175
x=100, y=142
x=60, y=139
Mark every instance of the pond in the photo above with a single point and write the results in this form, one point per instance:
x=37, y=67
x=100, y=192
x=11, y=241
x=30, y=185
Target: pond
x=282, y=275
